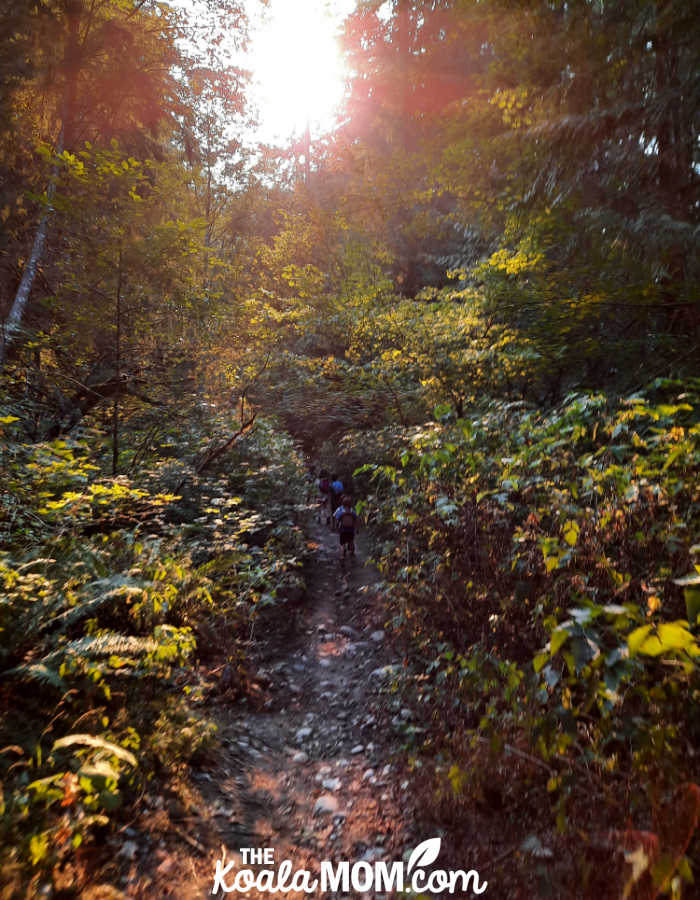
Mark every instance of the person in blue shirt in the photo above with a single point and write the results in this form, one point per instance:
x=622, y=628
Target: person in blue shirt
x=336, y=494
x=347, y=523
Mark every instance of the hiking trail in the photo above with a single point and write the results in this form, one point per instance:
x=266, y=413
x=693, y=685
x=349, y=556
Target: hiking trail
x=312, y=773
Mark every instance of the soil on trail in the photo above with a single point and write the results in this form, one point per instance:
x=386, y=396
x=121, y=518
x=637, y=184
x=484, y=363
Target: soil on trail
x=312, y=773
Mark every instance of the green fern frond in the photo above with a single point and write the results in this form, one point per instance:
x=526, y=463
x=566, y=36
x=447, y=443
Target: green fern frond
x=38, y=672
x=124, y=587
x=112, y=644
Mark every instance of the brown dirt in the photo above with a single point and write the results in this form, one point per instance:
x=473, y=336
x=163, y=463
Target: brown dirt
x=261, y=786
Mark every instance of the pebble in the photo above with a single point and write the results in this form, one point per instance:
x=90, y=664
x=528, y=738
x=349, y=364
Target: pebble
x=347, y=631
x=384, y=672
x=300, y=757
x=377, y=636
x=326, y=803
x=331, y=784
x=373, y=854
x=303, y=733
x=129, y=849
x=358, y=748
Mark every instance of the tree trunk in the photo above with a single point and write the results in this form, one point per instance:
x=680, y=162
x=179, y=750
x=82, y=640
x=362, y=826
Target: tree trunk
x=71, y=65
x=115, y=409
x=13, y=324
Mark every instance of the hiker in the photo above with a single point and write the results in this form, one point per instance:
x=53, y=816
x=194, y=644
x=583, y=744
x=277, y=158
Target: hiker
x=337, y=491
x=347, y=520
x=324, y=499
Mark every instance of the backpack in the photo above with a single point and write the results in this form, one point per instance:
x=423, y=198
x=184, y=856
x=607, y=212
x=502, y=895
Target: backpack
x=324, y=486
x=347, y=520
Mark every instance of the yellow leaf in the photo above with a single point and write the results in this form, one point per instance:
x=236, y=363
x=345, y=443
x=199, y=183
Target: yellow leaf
x=653, y=603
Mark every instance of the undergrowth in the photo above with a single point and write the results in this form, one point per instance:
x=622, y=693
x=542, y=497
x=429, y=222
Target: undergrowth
x=543, y=571
x=117, y=594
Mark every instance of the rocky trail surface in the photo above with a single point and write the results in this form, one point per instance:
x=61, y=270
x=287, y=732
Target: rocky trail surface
x=312, y=773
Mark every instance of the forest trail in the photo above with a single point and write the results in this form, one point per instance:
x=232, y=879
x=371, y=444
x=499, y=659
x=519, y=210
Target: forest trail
x=312, y=773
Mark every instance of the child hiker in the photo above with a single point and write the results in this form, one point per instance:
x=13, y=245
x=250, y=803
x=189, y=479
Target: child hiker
x=337, y=491
x=347, y=523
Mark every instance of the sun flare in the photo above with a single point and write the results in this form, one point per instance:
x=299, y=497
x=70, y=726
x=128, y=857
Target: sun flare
x=297, y=68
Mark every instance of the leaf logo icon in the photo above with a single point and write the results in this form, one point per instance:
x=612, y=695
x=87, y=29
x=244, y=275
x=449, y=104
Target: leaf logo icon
x=425, y=854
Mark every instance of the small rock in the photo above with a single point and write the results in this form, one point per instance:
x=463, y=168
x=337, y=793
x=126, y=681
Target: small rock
x=358, y=748
x=324, y=662
x=326, y=803
x=129, y=849
x=368, y=774
x=384, y=672
x=377, y=636
x=347, y=631
x=303, y=734
x=300, y=757
x=331, y=784
x=373, y=854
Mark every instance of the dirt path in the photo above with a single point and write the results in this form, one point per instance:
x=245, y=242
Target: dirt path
x=312, y=774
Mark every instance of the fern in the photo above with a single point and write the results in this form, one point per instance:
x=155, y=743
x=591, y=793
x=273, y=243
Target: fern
x=111, y=644
x=125, y=587
x=123, y=647
x=38, y=672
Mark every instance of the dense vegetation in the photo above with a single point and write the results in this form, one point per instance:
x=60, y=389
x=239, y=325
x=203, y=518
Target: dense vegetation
x=479, y=295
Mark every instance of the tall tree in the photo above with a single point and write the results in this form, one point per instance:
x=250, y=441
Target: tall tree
x=105, y=72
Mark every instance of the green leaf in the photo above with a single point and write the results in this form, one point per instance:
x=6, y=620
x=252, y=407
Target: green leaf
x=92, y=740
x=690, y=580
x=571, y=533
x=558, y=638
x=692, y=605
x=539, y=661
x=669, y=637
x=100, y=768
x=38, y=847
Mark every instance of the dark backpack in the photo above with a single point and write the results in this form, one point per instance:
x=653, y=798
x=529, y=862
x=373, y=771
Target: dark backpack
x=324, y=486
x=347, y=520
